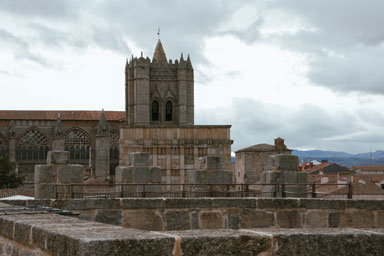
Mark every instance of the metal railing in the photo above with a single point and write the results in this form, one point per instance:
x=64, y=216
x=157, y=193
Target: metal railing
x=313, y=190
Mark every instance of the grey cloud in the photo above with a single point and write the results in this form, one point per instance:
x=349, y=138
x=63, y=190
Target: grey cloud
x=254, y=122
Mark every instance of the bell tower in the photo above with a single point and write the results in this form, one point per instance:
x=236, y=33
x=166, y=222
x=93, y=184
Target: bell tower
x=159, y=91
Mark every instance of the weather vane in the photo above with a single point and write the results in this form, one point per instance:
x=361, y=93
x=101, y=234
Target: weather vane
x=158, y=32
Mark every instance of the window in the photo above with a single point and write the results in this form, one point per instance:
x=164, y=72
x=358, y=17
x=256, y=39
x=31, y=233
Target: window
x=77, y=143
x=32, y=146
x=114, y=151
x=168, y=111
x=155, y=111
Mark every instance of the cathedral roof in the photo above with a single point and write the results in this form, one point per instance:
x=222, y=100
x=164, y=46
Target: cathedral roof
x=258, y=148
x=64, y=115
x=159, y=53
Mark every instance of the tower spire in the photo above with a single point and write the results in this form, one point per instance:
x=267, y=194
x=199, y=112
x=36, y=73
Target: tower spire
x=159, y=53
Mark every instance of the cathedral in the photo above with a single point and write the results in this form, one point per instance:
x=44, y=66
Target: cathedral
x=158, y=119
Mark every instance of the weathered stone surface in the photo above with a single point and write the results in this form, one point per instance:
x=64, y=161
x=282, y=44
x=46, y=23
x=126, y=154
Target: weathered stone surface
x=195, y=220
x=302, y=177
x=256, y=219
x=139, y=159
x=316, y=219
x=219, y=177
x=333, y=219
x=357, y=219
x=213, y=162
x=156, y=174
x=58, y=157
x=177, y=220
x=107, y=216
x=142, y=219
x=283, y=162
x=144, y=203
x=365, y=204
x=44, y=191
x=45, y=173
x=265, y=203
x=196, y=177
x=289, y=219
x=233, y=221
x=223, y=242
x=188, y=203
x=211, y=220
x=124, y=174
x=234, y=203
x=314, y=203
x=142, y=174
x=72, y=173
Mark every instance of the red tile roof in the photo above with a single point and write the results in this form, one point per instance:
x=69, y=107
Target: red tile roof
x=77, y=115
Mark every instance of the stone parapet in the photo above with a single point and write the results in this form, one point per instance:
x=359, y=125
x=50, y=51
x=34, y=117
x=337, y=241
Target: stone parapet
x=57, y=171
x=52, y=234
x=160, y=214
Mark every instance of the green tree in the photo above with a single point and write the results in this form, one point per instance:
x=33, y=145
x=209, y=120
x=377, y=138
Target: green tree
x=8, y=176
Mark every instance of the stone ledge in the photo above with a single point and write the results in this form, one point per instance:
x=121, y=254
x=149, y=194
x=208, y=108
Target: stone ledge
x=61, y=235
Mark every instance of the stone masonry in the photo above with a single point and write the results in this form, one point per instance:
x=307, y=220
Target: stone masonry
x=139, y=172
x=283, y=169
x=57, y=171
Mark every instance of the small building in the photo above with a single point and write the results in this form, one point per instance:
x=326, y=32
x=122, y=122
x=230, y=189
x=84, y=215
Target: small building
x=252, y=161
x=326, y=168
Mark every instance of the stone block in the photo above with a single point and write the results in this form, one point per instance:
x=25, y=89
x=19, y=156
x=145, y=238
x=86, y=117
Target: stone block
x=256, y=219
x=45, y=173
x=58, y=157
x=189, y=203
x=139, y=159
x=142, y=219
x=219, y=177
x=277, y=203
x=211, y=220
x=124, y=174
x=44, y=191
x=142, y=174
x=240, y=203
x=213, y=162
x=380, y=219
x=271, y=177
x=302, y=178
x=156, y=174
x=177, y=220
x=289, y=219
x=333, y=220
x=154, y=189
x=195, y=220
x=283, y=162
x=365, y=204
x=318, y=203
x=113, y=217
x=22, y=233
x=316, y=219
x=196, y=177
x=233, y=221
x=72, y=173
x=357, y=219
x=144, y=203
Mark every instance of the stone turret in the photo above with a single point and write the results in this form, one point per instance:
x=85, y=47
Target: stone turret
x=58, y=135
x=159, y=91
x=102, y=148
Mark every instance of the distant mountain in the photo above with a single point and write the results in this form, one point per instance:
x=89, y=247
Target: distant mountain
x=347, y=159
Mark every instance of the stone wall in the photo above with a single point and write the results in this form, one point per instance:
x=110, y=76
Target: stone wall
x=176, y=149
x=44, y=234
x=226, y=213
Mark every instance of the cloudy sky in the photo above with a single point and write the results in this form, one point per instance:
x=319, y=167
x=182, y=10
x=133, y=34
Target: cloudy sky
x=308, y=71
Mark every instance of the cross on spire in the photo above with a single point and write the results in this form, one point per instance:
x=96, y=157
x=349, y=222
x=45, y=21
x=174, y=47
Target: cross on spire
x=158, y=32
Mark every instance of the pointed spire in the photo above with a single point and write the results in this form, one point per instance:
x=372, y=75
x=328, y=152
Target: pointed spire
x=58, y=129
x=182, y=57
x=189, y=63
x=159, y=53
x=102, y=127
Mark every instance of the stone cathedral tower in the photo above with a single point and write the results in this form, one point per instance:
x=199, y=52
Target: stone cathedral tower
x=160, y=118
x=159, y=91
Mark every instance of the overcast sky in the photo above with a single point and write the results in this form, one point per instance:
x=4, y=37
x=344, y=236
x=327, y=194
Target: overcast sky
x=308, y=71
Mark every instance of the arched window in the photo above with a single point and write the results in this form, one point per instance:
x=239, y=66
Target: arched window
x=168, y=111
x=114, y=151
x=155, y=111
x=32, y=146
x=77, y=143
